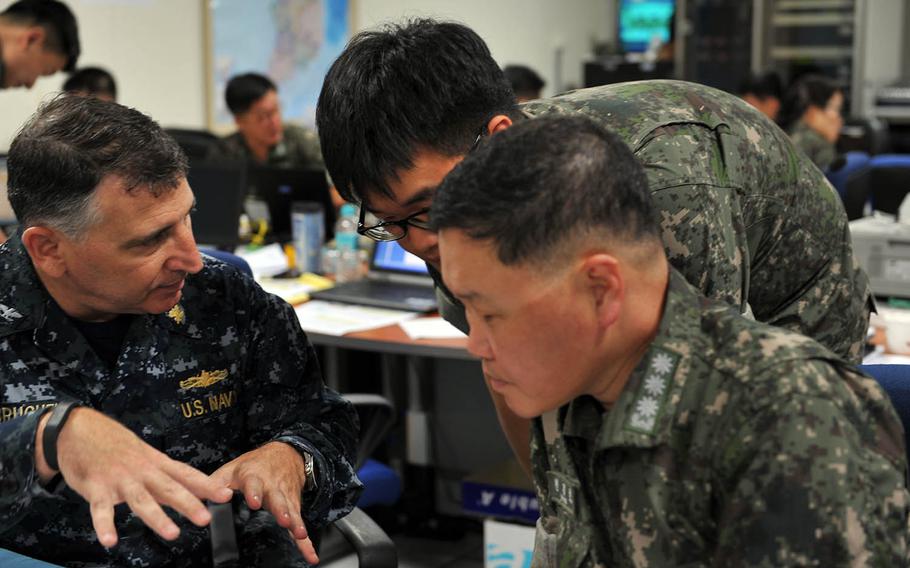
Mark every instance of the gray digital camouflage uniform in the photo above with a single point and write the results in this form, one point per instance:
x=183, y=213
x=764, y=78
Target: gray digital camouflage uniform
x=225, y=371
x=299, y=147
x=745, y=217
x=820, y=151
x=733, y=444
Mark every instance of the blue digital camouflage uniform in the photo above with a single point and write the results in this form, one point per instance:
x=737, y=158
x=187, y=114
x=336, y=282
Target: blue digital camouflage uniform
x=744, y=216
x=820, y=151
x=734, y=443
x=225, y=371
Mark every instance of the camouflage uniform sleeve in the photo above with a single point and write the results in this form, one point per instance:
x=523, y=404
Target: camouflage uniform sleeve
x=700, y=217
x=288, y=401
x=18, y=476
x=811, y=479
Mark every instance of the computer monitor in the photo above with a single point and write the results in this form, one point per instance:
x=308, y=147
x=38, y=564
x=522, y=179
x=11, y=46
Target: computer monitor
x=389, y=256
x=642, y=20
x=279, y=188
x=219, y=188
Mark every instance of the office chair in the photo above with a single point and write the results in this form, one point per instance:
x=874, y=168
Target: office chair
x=844, y=168
x=869, y=135
x=197, y=144
x=228, y=258
x=889, y=182
x=382, y=485
x=895, y=380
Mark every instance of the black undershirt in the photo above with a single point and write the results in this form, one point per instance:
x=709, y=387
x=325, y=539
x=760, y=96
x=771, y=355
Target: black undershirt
x=105, y=338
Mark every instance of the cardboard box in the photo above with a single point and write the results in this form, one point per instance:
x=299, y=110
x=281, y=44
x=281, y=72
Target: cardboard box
x=507, y=545
x=504, y=492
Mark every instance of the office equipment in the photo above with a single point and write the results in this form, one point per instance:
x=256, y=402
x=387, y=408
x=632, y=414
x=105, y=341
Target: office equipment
x=641, y=21
x=219, y=188
x=882, y=247
x=397, y=280
x=279, y=188
x=890, y=181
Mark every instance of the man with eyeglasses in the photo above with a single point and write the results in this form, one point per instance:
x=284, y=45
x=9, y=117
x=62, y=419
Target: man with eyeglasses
x=743, y=216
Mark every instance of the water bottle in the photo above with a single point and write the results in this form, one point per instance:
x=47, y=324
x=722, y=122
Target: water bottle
x=347, y=266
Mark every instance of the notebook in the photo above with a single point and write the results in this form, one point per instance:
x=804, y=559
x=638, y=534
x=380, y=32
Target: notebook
x=396, y=280
x=279, y=188
x=219, y=188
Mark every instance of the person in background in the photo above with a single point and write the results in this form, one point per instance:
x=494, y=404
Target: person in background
x=526, y=83
x=134, y=371
x=812, y=116
x=262, y=137
x=37, y=38
x=763, y=91
x=745, y=217
x=667, y=429
x=92, y=81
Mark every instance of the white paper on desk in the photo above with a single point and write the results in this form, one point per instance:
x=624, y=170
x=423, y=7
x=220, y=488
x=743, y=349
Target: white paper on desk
x=430, y=328
x=879, y=357
x=332, y=318
x=266, y=261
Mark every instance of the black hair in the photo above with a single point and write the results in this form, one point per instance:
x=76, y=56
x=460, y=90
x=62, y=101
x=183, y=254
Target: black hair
x=70, y=144
x=808, y=90
x=542, y=181
x=422, y=84
x=243, y=91
x=762, y=85
x=91, y=80
x=524, y=80
x=60, y=29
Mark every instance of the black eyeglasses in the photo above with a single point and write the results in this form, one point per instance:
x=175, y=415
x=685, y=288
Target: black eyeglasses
x=392, y=230
x=395, y=230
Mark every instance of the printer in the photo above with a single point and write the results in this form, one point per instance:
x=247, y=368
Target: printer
x=882, y=246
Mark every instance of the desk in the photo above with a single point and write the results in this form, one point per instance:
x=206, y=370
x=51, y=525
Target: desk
x=397, y=351
x=450, y=425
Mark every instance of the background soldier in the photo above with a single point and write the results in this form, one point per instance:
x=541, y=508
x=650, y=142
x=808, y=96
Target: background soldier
x=668, y=429
x=172, y=378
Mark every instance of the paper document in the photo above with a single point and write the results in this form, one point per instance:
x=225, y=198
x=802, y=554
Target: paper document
x=430, y=328
x=266, y=261
x=295, y=290
x=333, y=318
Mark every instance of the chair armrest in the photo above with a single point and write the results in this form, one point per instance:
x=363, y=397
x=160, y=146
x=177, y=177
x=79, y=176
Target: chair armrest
x=373, y=546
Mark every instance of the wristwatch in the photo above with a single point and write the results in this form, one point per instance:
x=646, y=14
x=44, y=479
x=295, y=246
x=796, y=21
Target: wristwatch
x=309, y=469
x=52, y=430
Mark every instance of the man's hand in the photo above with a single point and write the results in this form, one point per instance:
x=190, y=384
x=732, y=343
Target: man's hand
x=107, y=464
x=272, y=476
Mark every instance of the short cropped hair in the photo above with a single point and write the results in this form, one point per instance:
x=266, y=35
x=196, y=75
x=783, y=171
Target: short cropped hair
x=541, y=182
x=808, y=90
x=70, y=144
x=524, y=80
x=762, y=85
x=242, y=91
x=60, y=29
x=91, y=80
x=423, y=84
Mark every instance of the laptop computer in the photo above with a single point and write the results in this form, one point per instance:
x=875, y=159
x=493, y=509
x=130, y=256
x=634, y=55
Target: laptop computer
x=279, y=188
x=397, y=280
x=219, y=188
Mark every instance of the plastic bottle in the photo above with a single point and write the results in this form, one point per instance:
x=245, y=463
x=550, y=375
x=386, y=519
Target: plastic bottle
x=347, y=267
x=903, y=212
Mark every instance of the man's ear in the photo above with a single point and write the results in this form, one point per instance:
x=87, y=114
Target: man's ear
x=44, y=246
x=34, y=36
x=603, y=280
x=498, y=123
